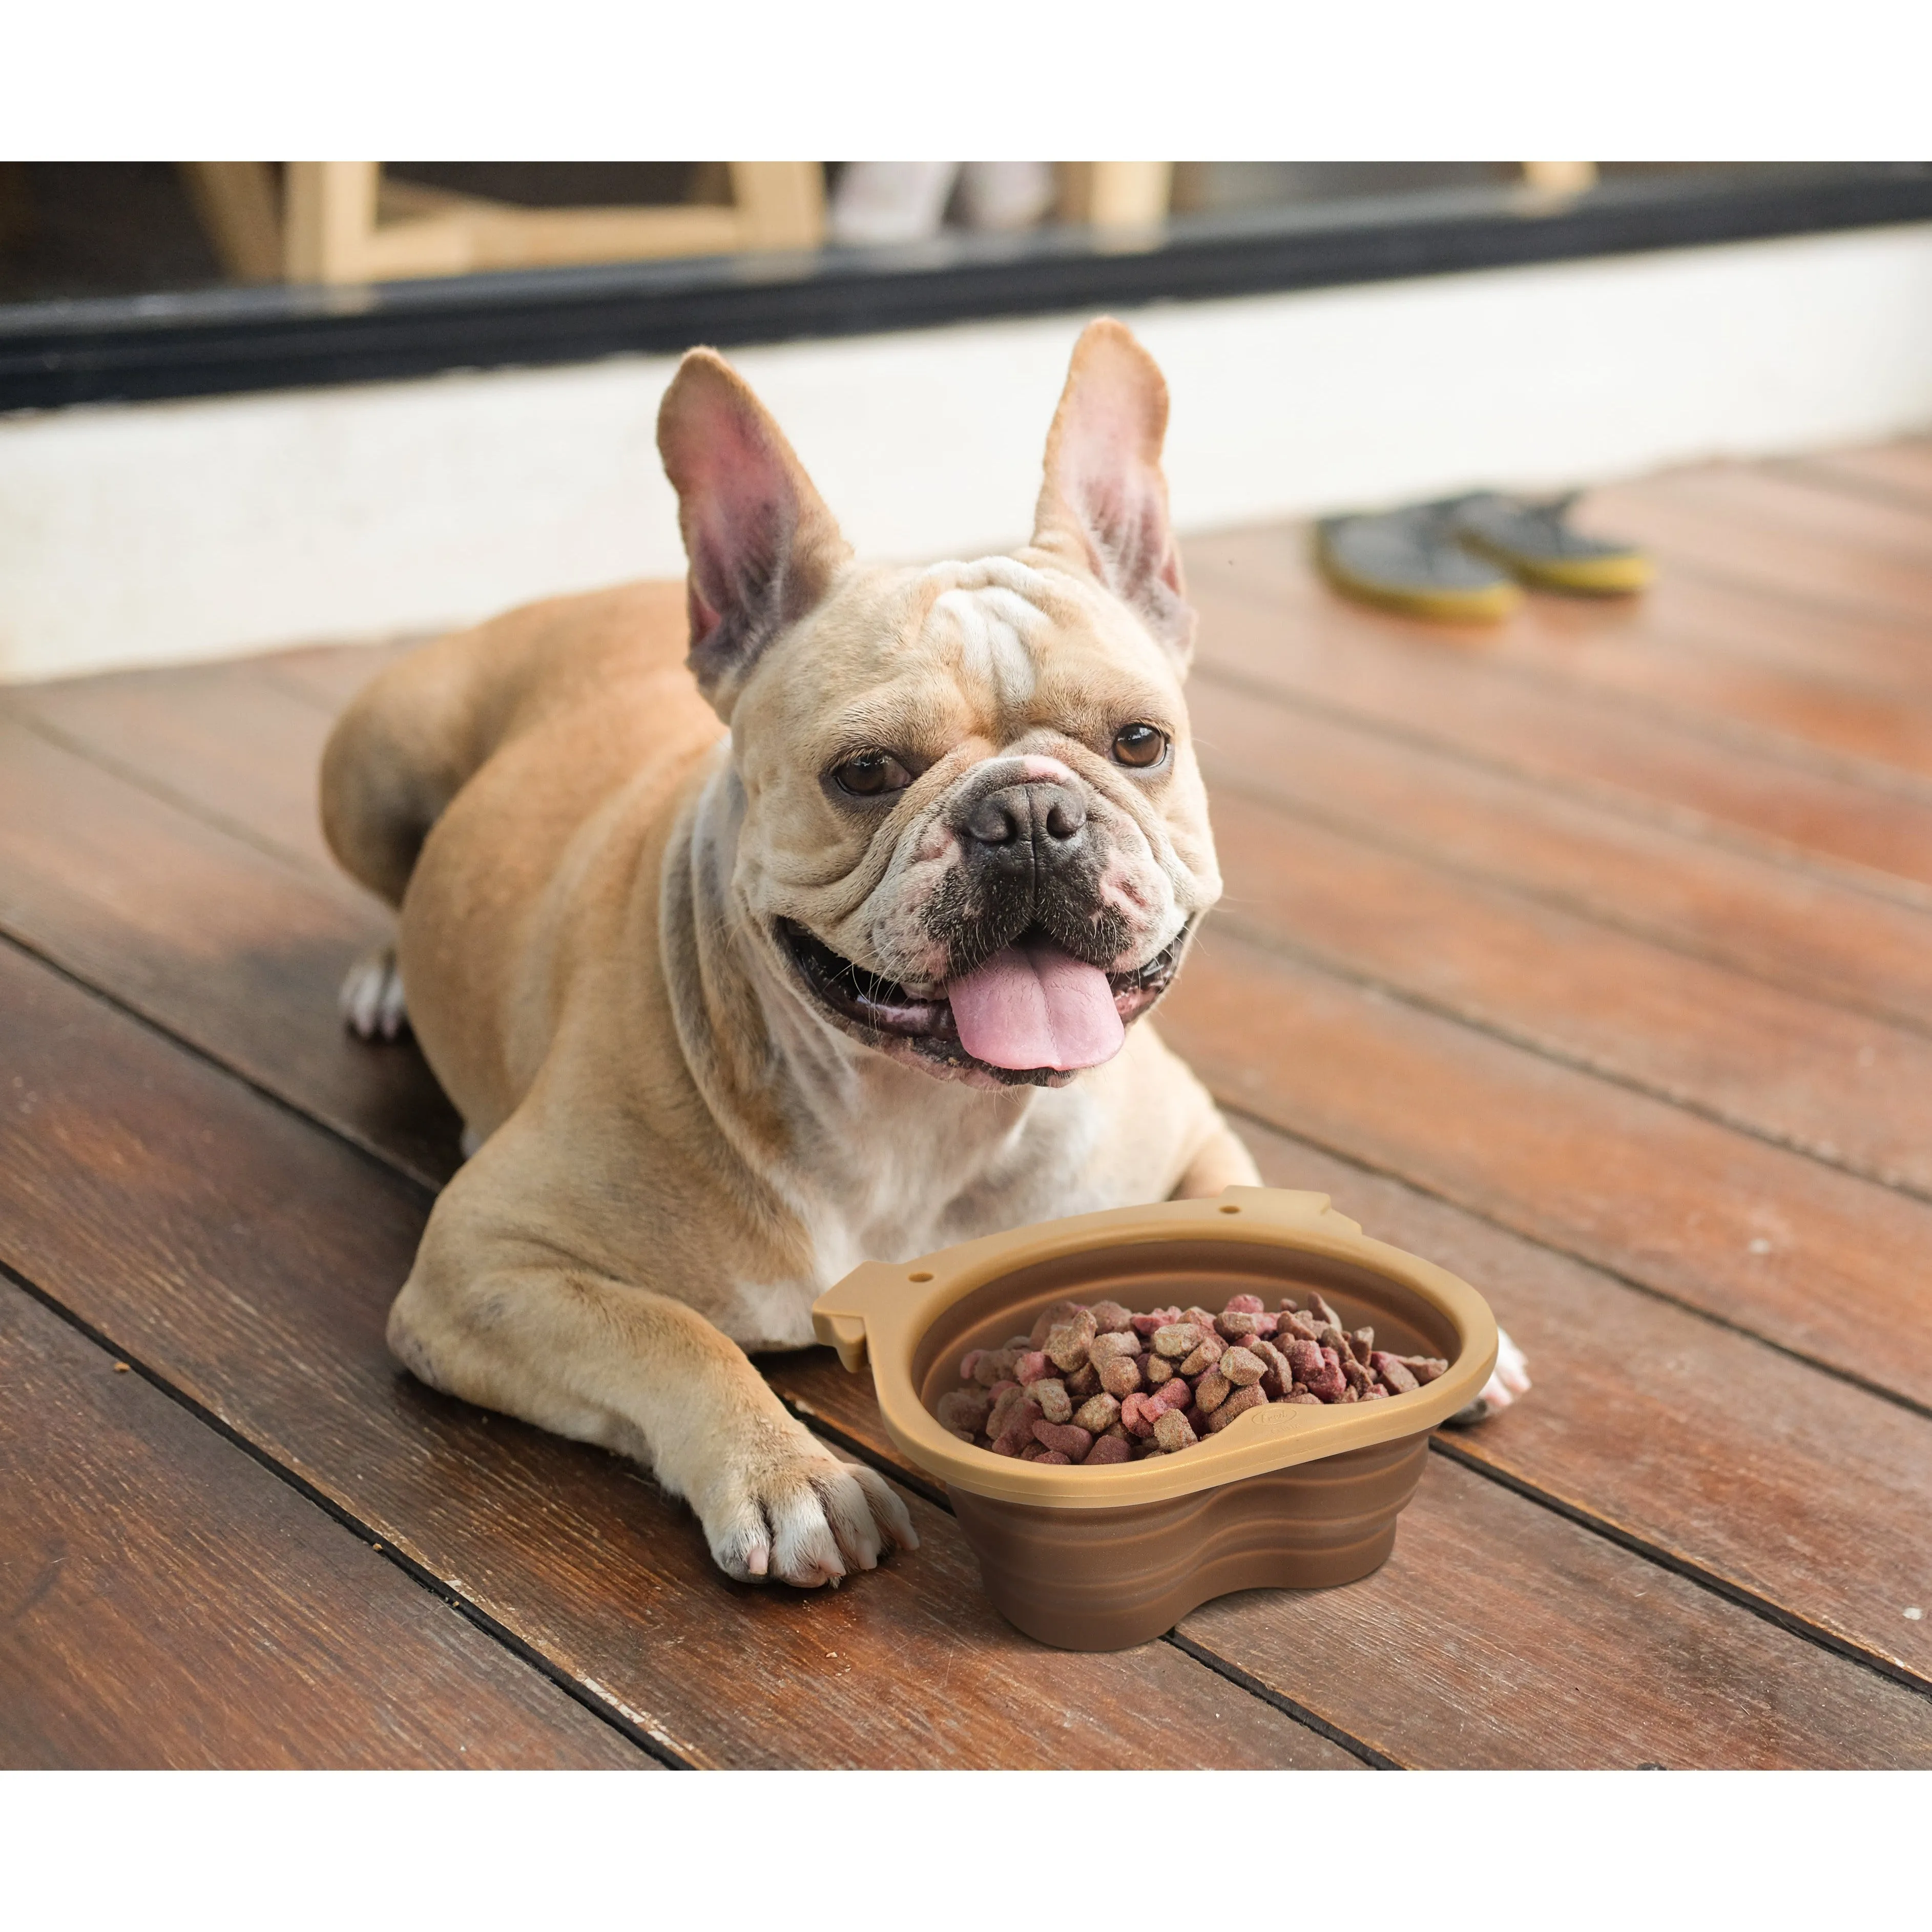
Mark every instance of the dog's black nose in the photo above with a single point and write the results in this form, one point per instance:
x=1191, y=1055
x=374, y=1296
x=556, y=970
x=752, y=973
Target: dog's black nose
x=1041, y=815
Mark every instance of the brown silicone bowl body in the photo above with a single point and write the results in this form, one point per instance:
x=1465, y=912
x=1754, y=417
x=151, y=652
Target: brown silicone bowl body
x=1289, y=1495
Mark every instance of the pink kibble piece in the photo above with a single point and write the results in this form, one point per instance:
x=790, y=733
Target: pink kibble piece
x=1108, y=1449
x=1069, y=1438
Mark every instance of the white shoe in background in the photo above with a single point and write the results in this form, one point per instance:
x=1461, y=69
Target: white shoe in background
x=1005, y=194
x=878, y=202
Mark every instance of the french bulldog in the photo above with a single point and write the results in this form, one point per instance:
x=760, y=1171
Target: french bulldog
x=809, y=913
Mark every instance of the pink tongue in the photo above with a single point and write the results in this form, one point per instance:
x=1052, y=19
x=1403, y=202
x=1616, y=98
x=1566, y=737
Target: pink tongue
x=1035, y=1006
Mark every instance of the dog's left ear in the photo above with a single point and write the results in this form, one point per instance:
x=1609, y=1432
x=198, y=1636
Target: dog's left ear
x=1103, y=505
x=763, y=546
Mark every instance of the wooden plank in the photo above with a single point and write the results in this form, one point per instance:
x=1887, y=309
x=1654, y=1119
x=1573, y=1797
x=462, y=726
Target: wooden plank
x=330, y=675
x=1749, y=666
x=1841, y=1087
x=1751, y=524
x=1557, y=1624
x=170, y=1603
x=1694, y=616
x=237, y=951
x=1900, y=473
x=1352, y=664
x=1790, y=710
x=230, y=740
x=249, y=1259
x=1795, y=928
x=1815, y=1259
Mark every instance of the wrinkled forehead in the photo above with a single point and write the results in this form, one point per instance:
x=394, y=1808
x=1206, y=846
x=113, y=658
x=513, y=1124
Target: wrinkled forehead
x=998, y=624
x=991, y=619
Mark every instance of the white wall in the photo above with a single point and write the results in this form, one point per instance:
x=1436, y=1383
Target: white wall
x=150, y=532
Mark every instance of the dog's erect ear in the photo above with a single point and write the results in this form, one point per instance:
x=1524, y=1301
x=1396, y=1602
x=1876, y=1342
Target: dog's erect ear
x=1103, y=505
x=762, y=545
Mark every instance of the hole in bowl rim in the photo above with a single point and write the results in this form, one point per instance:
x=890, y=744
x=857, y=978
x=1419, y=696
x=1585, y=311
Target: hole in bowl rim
x=873, y=1316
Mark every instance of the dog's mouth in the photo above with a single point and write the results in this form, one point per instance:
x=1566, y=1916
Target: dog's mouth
x=1032, y=1015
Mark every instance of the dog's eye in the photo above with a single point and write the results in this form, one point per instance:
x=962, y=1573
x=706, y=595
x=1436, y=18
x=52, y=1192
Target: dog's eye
x=871, y=775
x=1139, y=745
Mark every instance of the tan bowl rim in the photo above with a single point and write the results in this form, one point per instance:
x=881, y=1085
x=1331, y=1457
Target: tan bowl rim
x=870, y=1314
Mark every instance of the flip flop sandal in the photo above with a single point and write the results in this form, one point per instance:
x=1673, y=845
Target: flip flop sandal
x=1414, y=561
x=1532, y=540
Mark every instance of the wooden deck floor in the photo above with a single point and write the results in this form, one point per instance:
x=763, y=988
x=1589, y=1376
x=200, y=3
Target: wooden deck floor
x=1593, y=957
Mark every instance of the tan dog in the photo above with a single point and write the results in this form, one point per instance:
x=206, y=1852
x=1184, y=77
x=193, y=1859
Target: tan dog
x=728, y=1012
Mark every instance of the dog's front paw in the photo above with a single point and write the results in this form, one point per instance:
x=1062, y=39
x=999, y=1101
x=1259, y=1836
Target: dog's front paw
x=1509, y=1379
x=371, y=998
x=784, y=1507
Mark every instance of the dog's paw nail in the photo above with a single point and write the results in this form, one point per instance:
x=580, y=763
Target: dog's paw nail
x=371, y=1001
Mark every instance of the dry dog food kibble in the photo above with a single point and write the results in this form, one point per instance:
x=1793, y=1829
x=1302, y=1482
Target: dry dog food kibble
x=1098, y=1384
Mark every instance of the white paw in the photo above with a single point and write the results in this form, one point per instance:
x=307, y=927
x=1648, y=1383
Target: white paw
x=793, y=1513
x=1509, y=1379
x=371, y=998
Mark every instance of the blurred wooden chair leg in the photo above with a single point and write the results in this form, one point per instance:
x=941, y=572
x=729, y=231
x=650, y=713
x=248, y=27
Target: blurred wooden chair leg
x=1115, y=194
x=237, y=203
x=779, y=204
x=329, y=220
x=1560, y=177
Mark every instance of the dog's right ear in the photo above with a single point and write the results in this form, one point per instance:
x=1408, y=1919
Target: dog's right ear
x=763, y=546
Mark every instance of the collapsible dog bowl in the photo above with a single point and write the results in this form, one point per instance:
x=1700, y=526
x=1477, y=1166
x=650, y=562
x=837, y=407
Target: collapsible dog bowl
x=1289, y=1495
